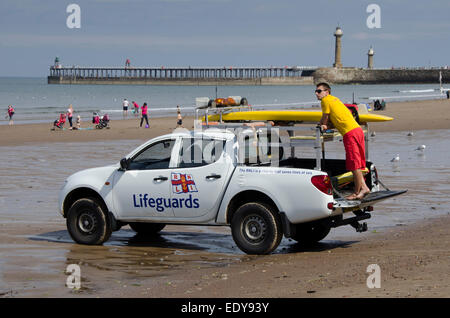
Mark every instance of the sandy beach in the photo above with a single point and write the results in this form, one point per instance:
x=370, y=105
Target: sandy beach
x=414, y=259
x=415, y=115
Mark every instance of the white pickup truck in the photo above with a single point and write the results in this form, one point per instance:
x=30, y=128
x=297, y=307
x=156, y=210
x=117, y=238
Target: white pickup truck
x=213, y=177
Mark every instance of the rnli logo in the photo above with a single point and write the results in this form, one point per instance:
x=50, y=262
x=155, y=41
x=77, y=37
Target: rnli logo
x=183, y=183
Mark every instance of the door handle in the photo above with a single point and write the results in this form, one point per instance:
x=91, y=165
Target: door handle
x=160, y=178
x=213, y=176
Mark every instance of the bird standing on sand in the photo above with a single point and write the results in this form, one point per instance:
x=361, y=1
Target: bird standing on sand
x=421, y=148
x=396, y=158
x=410, y=134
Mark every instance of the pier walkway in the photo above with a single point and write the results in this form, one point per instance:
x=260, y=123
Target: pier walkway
x=296, y=75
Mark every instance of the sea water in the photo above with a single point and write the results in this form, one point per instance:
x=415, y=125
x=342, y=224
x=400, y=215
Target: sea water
x=36, y=101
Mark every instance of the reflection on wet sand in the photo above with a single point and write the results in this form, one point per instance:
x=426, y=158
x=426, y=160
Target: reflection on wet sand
x=130, y=257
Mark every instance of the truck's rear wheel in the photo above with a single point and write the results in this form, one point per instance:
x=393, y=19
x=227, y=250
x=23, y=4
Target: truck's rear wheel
x=311, y=232
x=146, y=228
x=88, y=223
x=256, y=228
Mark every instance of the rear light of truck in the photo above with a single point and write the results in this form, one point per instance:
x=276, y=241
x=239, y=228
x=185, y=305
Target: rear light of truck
x=323, y=183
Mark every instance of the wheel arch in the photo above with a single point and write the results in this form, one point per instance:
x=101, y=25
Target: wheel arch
x=79, y=193
x=245, y=197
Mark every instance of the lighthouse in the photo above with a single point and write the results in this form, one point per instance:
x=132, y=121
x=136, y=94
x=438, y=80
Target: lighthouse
x=337, y=57
x=370, y=58
x=57, y=63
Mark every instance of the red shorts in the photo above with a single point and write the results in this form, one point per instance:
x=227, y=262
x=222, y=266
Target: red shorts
x=355, y=152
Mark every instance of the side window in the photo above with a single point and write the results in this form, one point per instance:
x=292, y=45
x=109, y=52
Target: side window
x=200, y=152
x=156, y=156
x=261, y=148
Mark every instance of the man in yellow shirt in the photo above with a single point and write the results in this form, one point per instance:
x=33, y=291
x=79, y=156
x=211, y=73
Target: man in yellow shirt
x=335, y=113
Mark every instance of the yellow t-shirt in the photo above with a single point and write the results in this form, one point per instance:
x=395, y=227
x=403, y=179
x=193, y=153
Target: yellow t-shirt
x=340, y=115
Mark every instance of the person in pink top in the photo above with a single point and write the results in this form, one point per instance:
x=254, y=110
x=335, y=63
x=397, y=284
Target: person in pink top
x=10, y=114
x=144, y=111
x=69, y=115
x=136, y=108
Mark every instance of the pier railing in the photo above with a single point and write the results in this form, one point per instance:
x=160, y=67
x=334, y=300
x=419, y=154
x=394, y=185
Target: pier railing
x=179, y=72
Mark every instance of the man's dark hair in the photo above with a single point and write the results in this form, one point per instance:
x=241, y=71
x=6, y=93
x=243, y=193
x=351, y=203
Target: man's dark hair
x=323, y=84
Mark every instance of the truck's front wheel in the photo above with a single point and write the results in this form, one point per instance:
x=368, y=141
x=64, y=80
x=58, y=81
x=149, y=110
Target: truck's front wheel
x=87, y=223
x=256, y=228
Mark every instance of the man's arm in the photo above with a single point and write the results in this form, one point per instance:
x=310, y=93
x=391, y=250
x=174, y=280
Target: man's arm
x=325, y=121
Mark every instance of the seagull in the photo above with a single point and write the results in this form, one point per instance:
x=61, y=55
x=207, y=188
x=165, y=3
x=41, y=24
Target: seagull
x=372, y=134
x=410, y=134
x=396, y=158
x=421, y=147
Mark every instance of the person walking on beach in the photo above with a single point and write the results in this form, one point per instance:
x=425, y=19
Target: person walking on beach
x=144, y=111
x=69, y=116
x=125, y=105
x=335, y=113
x=10, y=114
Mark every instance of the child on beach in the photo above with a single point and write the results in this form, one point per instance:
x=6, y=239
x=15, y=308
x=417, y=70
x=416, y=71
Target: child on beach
x=179, y=119
x=78, y=122
x=10, y=114
x=136, y=108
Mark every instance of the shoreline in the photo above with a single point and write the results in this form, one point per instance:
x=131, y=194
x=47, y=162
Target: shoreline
x=408, y=116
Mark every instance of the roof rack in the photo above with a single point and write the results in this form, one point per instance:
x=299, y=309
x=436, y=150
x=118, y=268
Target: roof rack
x=315, y=140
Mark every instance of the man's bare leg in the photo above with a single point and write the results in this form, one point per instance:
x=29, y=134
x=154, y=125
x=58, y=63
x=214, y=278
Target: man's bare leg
x=361, y=189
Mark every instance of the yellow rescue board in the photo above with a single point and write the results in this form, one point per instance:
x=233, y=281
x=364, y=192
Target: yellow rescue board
x=289, y=115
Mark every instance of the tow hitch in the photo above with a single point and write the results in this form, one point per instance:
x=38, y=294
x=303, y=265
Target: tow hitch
x=354, y=221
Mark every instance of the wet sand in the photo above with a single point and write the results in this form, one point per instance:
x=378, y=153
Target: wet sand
x=191, y=262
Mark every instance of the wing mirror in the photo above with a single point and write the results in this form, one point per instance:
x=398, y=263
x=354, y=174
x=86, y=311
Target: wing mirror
x=123, y=164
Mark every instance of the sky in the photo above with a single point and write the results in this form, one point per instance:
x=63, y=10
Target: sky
x=154, y=33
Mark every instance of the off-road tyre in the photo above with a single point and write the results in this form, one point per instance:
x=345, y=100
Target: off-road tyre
x=88, y=222
x=256, y=228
